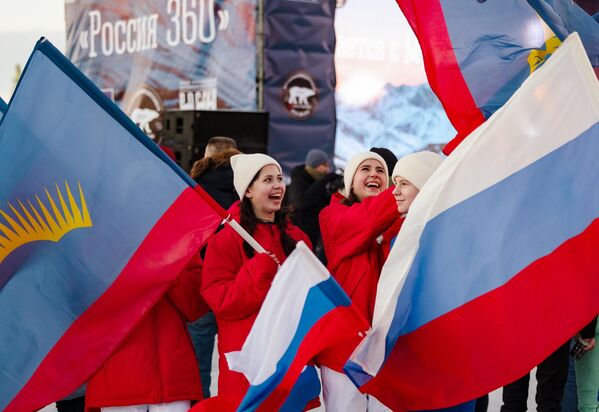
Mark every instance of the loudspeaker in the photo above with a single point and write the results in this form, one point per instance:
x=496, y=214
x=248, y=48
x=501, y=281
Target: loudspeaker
x=187, y=132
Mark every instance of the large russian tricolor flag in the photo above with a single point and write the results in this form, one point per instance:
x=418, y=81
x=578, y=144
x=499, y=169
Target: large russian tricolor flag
x=305, y=313
x=95, y=223
x=478, y=52
x=496, y=264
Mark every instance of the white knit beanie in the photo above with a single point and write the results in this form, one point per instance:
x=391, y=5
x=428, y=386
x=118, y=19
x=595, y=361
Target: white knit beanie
x=352, y=167
x=417, y=167
x=246, y=166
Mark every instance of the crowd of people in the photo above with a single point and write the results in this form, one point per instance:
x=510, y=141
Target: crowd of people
x=350, y=219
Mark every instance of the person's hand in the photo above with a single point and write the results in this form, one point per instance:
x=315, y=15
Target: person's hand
x=591, y=343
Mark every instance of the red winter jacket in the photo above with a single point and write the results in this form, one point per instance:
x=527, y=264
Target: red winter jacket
x=235, y=287
x=356, y=243
x=155, y=363
x=349, y=235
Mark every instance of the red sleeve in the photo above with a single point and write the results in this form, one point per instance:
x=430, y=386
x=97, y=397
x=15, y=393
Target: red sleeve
x=353, y=228
x=231, y=288
x=185, y=291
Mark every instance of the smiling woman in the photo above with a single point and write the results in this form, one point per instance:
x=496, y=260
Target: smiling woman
x=356, y=231
x=236, y=279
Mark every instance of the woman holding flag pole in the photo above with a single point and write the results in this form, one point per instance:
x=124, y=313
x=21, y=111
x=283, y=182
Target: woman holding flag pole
x=356, y=229
x=236, y=279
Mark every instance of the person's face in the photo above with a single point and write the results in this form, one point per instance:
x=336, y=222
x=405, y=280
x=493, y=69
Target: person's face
x=266, y=192
x=370, y=179
x=323, y=168
x=404, y=193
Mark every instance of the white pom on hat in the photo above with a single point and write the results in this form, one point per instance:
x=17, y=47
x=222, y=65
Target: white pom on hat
x=246, y=166
x=417, y=167
x=352, y=167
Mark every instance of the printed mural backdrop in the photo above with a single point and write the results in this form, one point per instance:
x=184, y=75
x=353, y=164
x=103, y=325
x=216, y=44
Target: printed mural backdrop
x=152, y=55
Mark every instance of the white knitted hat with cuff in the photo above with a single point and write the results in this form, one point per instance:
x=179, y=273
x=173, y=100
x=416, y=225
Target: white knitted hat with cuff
x=417, y=167
x=246, y=167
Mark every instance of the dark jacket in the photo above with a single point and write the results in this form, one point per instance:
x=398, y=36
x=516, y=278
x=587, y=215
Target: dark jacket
x=308, y=197
x=588, y=331
x=215, y=175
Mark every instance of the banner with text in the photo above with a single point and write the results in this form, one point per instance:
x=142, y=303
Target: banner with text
x=299, y=84
x=152, y=55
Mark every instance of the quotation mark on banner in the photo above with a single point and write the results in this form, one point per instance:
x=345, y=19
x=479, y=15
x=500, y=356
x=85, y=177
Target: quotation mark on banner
x=84, y=39
x=223, y=16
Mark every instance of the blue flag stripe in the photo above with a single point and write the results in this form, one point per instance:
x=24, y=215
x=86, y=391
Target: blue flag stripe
x=545, y=197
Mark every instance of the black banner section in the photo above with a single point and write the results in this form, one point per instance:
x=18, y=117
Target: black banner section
x=299, y=79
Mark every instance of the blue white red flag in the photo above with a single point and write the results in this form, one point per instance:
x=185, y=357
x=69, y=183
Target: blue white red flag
x=478, y=52
x=305, y=313
x=496, y=265
x=95, y=223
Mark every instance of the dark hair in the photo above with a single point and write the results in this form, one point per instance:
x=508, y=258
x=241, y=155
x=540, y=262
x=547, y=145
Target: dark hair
x=249, y=222
x=351, y=199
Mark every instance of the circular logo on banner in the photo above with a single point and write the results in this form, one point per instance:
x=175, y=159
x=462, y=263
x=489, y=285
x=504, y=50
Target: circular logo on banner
x=144, y=108
x=300, y=96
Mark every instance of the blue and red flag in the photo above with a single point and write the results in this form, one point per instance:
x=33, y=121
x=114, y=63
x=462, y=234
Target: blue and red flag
x=495, y=266
x=95, y=223
x=305, y=313
x=478, y=52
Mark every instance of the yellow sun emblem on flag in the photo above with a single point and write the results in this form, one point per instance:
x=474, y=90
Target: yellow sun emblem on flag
x=33, y=222
x=538, y=56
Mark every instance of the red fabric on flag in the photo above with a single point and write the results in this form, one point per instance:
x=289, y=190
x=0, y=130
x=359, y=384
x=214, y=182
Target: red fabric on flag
x=442, y=69
x=84, y=346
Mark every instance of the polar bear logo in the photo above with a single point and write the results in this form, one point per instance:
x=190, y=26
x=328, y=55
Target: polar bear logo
x=143, y=118
x=298, y=96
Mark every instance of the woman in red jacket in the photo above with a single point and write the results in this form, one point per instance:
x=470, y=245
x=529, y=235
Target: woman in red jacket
x=235, y=278
x=356, y=230
x=154, y=368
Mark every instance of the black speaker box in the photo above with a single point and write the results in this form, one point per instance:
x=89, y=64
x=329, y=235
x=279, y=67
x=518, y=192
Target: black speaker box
x=187, y=132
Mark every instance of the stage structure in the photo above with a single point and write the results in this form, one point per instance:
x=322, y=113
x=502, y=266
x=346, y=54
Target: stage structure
x=157, y=56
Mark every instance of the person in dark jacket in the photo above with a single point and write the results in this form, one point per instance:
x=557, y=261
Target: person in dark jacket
x=214, y=172
x=215, y=175
x=308, y=195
